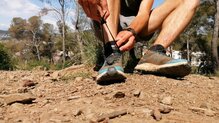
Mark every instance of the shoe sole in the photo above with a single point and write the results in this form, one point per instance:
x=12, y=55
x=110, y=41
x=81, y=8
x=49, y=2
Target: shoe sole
x=170, y=70
x=105, y=77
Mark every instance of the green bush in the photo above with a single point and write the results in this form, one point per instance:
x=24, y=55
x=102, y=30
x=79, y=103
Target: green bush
x=5, y=59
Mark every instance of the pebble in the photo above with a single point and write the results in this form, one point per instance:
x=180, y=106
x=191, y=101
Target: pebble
x=88, y=80
x=23, y=98
x=77, y=112
x=165, y=109
x=73, y=98
x=22, y=90
x=137, y=93
x=167, y=100
x=119, y=95
x=205, y=105
x=28, y=83
x=142, y=95
x=207, y=112
x=55, y=75
x=210, y=113
x=156, y=114
x=79, y=79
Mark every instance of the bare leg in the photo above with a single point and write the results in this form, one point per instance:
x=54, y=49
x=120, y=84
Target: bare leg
x=113, y=20
x=171, y=17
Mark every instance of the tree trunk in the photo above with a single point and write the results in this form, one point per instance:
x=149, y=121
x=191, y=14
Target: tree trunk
x=215, y=37
x=62, y=4
x=188, y=51
x=38, y=52
x=63, y=42
x=35, y=45
x=80, y=43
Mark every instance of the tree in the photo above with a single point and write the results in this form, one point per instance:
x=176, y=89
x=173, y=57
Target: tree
x=81, y=24
x=215, y=36
x=47, y=37
x=199, y=32
x=17, y=28
x=62, y=14
x=33, y=27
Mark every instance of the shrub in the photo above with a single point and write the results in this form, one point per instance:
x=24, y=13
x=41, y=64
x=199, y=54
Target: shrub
x=5, y=59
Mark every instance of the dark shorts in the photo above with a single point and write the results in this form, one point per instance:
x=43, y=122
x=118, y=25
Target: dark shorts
x=130, y=7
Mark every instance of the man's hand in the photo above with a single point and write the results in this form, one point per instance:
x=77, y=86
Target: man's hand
x=95, y=9
x=125, y=40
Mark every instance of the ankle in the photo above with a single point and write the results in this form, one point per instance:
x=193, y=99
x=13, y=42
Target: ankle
x=158, y=48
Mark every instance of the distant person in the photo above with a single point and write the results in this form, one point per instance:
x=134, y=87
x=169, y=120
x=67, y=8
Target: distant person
x=170, y=18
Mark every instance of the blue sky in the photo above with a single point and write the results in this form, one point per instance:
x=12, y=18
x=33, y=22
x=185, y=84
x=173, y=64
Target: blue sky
x=26, y=9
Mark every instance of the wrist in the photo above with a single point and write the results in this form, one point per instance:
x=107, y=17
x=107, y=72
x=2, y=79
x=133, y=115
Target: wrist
x=130, y=30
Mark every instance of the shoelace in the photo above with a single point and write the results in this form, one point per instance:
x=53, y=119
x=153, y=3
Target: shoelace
x=102, y=22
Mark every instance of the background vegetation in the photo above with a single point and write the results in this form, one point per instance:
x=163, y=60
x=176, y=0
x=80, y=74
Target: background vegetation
x=35, y=43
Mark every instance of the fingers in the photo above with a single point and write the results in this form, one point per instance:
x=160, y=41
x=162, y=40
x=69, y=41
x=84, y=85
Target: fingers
x=103, y=9
x=129, y=45
x=123, y=37
x=125, y=41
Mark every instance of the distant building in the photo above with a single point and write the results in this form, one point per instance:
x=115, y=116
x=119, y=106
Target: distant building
x=196, y=58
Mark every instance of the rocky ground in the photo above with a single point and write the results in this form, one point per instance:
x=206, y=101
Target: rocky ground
x=72, y=96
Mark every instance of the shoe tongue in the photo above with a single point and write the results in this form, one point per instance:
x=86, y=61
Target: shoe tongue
x=112, y=58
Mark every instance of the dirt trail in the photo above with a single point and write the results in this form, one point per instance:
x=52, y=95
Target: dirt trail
x=72, y=96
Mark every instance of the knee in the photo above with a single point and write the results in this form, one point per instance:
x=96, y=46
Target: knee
x=191, y=4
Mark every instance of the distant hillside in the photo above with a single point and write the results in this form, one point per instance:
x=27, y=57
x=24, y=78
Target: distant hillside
x=3, y=31
x=4, y=35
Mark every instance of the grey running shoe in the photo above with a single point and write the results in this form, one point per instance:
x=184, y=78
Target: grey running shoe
x=112, y=69
x=158, y=63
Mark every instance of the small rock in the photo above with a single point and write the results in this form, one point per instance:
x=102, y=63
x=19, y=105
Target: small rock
x=77, y=112
x=22, y=90
x=55, y=76
x=156, y=114
x=147, y=111
x=22, y=119
x=142, y=111
x=79, y=79
x=205, y=105
x=73, y=98
x=119, y=95
x=28, y=83
x=167, y=100
x=88, y=80
x=209, y=113
x=47, y=74
x=112, y=115
x=142, y=95
x=91, y=117
x=197, y=110
x=16, y=107
x=94, y=75
x=137, y=93
x=1, y=102
x=18, y=98
x=165, y=109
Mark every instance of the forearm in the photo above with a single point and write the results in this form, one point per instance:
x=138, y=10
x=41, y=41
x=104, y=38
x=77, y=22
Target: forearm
x=141, y=20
